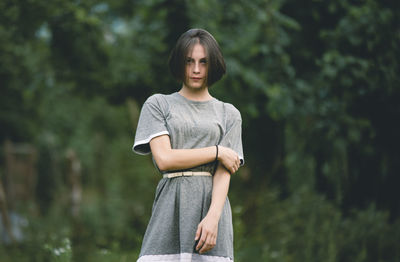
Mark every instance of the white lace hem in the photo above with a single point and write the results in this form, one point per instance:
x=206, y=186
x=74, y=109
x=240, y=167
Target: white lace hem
x=183, y=257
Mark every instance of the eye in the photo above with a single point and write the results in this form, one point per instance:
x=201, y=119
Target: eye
x=203, y=61
x=189, y=60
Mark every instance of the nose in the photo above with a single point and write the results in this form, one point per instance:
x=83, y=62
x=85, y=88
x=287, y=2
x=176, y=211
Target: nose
x=196, y=68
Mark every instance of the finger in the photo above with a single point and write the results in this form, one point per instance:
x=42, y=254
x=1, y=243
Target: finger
x=198, y=232
x=234, y=168
x=200, y=244
x=206, y=247
x=201, y=241
x=213, y=242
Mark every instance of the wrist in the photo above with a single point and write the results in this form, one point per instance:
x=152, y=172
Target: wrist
x=213, y=214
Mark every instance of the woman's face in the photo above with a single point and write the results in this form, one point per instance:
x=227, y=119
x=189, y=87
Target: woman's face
x=196, y=68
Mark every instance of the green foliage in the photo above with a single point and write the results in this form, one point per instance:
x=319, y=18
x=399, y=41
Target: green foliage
x=306, y=227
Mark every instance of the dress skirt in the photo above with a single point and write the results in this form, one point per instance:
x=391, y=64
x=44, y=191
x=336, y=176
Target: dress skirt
x=179, y=206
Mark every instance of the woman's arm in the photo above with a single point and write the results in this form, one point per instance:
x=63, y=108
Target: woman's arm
x=175, y=159
x=207, y=230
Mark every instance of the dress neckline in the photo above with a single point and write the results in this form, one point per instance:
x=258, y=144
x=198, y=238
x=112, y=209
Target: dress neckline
x=194, y=101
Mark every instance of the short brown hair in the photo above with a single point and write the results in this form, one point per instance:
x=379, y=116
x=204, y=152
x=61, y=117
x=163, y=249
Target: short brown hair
x=215, y=60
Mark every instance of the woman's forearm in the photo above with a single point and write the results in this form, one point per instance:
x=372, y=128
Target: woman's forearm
x=207, y=230
x=175, y=159
x=220, y=190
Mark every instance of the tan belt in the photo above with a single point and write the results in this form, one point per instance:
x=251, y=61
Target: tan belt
x=187, y=173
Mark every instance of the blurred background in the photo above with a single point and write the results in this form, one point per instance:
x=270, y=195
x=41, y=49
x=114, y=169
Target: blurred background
x=317, y=83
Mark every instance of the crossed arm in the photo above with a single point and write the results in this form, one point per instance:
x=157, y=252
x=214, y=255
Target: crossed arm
x=174, y=159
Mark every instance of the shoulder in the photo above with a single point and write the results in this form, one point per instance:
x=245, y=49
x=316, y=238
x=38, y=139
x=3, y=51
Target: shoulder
x=231, y=111
x=158, y=104
x=155, y=99
x=160, y=101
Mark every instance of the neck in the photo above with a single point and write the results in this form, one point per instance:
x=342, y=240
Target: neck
x=200, y=94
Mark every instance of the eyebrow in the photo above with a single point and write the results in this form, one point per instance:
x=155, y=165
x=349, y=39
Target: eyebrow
x=203, y=58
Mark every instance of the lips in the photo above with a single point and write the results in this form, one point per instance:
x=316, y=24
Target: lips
x=196, y=78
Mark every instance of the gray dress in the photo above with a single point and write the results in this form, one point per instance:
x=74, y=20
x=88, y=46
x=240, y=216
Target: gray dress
x=182, y=202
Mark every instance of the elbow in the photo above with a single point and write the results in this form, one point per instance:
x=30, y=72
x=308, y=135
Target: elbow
x=163, y=163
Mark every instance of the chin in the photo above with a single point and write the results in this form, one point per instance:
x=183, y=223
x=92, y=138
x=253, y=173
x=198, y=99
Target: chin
x=196, y=87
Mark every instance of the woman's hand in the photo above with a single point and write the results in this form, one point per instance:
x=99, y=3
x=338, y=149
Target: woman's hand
x=206, y=233
x=229, y=159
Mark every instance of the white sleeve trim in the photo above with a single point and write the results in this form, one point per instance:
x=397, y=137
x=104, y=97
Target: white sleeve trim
x=241, y=160
x=146, y=141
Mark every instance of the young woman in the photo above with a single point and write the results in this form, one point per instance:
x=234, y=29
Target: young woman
x=195, y=141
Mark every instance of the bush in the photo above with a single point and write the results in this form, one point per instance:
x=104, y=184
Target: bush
x=307, y=227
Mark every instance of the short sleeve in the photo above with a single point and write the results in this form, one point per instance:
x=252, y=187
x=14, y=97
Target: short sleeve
x=152, y=123
x=232, y=137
